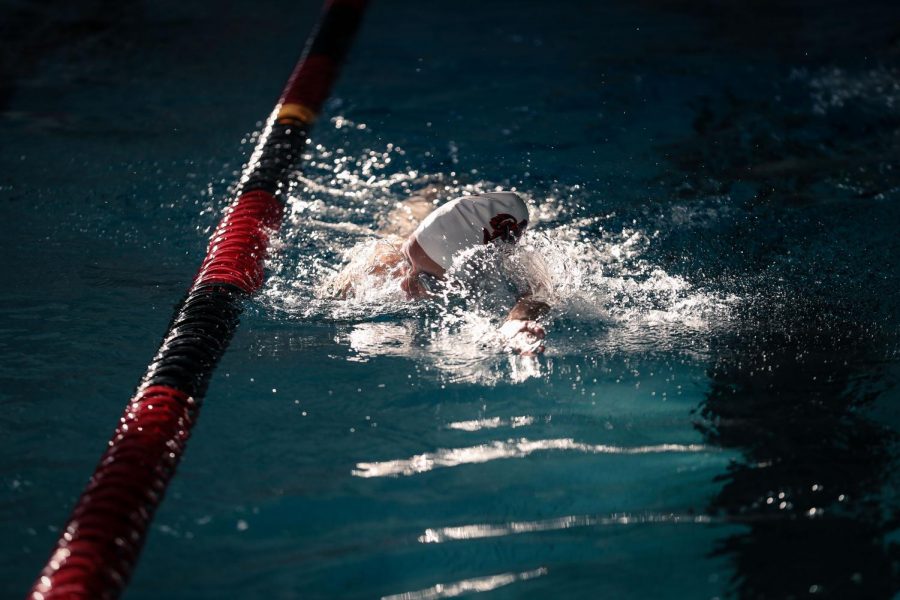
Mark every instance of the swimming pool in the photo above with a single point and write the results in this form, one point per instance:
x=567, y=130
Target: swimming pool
x=717, y=397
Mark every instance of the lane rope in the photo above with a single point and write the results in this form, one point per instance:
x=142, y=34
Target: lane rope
x=99, y=546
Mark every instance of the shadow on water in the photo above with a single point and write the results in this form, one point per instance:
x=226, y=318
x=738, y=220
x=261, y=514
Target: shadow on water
x=804, y=178
x=788, y=390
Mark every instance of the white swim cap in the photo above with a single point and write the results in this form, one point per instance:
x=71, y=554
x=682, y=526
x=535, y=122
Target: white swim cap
x=470, y=221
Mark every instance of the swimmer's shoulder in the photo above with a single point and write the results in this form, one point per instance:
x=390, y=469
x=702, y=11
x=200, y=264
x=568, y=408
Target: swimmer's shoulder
x=376, y=257
x=406, y=215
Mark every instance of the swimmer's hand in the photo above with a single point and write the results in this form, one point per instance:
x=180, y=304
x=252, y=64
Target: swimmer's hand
x=523, y=336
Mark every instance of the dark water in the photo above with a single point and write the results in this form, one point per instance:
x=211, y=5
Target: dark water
x=715, y=416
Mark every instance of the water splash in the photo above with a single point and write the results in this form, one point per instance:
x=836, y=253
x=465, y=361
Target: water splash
x=606, y=295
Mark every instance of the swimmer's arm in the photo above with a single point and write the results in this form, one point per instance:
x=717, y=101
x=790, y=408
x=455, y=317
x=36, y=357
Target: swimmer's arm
x=522, y=332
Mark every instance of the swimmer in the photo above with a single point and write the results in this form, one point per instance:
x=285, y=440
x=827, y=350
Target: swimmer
x=420, y=242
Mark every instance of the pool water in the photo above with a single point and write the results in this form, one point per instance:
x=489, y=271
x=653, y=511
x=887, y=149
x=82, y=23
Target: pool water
x=714, y=194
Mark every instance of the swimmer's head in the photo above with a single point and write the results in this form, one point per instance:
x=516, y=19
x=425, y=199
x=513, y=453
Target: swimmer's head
x=461, y=224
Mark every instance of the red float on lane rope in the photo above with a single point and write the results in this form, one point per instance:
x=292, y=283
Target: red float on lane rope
x=237, y=248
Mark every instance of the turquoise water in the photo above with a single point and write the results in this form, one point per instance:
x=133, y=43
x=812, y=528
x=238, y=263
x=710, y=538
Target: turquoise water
x=716, y=192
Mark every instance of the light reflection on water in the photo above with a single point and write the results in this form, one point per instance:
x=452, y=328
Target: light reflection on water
x=491, y=423
x=474, y=532
x=498, y=450
x=468, y=586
